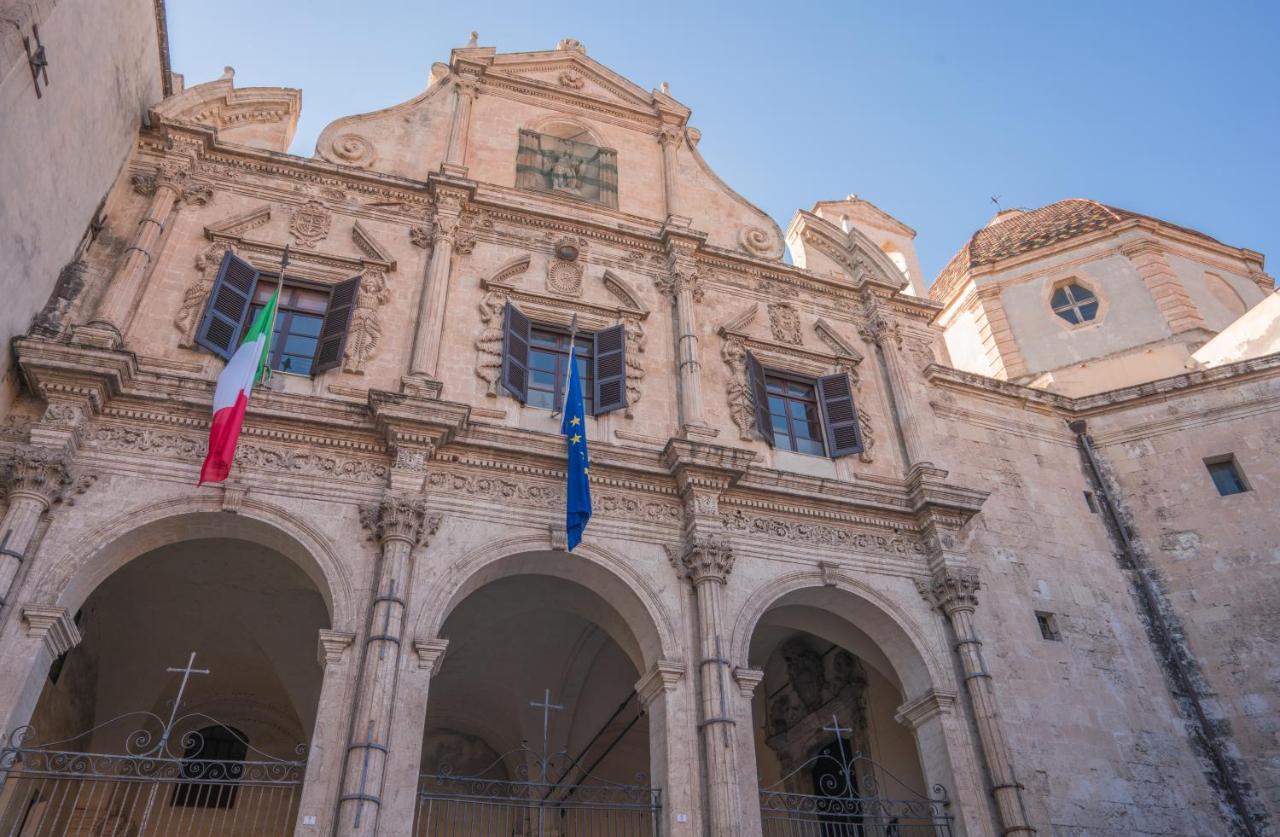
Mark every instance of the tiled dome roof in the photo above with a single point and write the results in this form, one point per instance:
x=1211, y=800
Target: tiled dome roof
x=1017, y=231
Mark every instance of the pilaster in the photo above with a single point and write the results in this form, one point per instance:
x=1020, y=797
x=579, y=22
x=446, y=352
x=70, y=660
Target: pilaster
x=683, y=285
x=1171, y=297
x=451, y=196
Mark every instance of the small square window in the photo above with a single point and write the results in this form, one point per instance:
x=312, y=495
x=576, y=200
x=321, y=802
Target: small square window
x=1226, y=474
x=1048, y=626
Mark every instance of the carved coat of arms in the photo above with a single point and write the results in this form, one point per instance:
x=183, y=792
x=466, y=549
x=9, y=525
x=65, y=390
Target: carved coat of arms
x=310, y=223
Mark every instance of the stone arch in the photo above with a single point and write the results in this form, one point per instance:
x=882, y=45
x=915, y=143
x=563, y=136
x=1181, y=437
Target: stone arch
x=563, y=126
x=68, y=579
x=881, y=629
x=642, y=626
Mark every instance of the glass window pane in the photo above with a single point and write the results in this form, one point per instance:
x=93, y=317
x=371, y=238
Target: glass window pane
x=543, y=379
x=1059, y=298
x=542, y=360
x=541, y=398
x=811, y=446
x=779, y=425
x=542, y=338
x=297, y=344
x=1069, y=314
x=306, y=324
x=797, y=411
x=777, y=406
x=1089, y=310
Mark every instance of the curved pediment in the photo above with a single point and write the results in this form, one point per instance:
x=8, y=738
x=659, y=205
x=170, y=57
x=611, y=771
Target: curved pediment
x=259, y=117
x=820, y=246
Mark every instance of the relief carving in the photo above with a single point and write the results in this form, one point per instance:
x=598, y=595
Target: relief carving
x=365, y=331
x=572, y=79
x=821, y=534
x=489, y=343
x=868, y=436
x=756, y=241
x=352, y=150
x=784, y=322
x=310, y=222
x=196, y=295
x=738, y=393
x=565, y=267
x=634, y=332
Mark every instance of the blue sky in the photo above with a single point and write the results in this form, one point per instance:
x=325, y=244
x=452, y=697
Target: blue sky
x=927, y=110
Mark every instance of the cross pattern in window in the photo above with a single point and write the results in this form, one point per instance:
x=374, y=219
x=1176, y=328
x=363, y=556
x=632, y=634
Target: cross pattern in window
x=549, y=368
x=298, y=319
x=793, y=411
x=1074, y=303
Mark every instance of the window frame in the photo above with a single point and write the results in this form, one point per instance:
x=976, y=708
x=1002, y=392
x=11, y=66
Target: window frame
x=277, y=346
x=1228, y=459
x=1047, y=622
x=587, y=374
x=771, y=374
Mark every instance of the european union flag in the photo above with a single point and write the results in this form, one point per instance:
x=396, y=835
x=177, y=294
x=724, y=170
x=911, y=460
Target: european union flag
x=578, y=487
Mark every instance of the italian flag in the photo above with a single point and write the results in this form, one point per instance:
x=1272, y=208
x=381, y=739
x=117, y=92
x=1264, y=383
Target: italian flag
x=231, y=396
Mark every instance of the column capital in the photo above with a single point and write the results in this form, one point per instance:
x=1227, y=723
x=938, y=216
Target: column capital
x=681, y=276
x=670, y=135
x=704, y=558
x=916, y=711
x=874, y=325
x=467, y=84
x=431, y=653
x=53, y=625
x=951, y=589
x=39, y=472
x=400, y=517
x=747, y=679
x=332, y=646
x=661, y=679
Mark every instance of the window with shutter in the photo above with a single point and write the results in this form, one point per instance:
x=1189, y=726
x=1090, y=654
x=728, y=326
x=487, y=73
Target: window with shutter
x=839, y=415
x=515, y=353
x=228, y=307
x=760, y=397
x=610, y=370
x=337, y=322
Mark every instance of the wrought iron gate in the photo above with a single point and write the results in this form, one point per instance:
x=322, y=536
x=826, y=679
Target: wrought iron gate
x=188, y=775
x=485, y=805
x=848, y=800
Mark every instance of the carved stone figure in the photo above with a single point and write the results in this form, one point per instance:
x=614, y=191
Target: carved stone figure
x=196, y=295
x=868, y=436
x=365, y=331
x=489, y=343
x=634, y=332
x=741, y=409
x=805, y=669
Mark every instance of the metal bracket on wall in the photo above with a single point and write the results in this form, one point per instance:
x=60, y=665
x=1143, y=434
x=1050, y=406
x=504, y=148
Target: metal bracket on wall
x=37, y=60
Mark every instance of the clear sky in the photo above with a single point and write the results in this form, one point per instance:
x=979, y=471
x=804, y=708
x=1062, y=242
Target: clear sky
x=925, y=109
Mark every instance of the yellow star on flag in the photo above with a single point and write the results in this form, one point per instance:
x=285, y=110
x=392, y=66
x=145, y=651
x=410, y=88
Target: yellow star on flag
x=575, y=438
x=575, y=421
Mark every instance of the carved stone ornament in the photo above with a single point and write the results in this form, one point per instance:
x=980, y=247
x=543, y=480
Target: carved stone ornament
x=41, y=471
x=332, y=646
x=187, y=320
x=571, y=79
x=400, y=517
x=565, y=267
x=737, y=391
x=634, y=332
x=310, y=222
x=352, y=150
x=756, y=241
x=679, y=278
x=951, y=589
x=53, y=625
x=875, y=327
x=706, y=558
x=420, y=236
x=366, y=330
x=489, y=343
x=784, y=322
x=868, y=436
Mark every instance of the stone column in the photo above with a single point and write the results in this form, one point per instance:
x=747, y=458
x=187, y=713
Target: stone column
x=706, y=561
x=886, y=335
x=36, y=476
x=409, y=723
x=165, y=186
x=747, y=679
x=660, y=692
x=400, y=523
x=953, y=590
x=324, y=753
x=449, y=202
x=466, y=87
x=683, y=285
x=669, y=137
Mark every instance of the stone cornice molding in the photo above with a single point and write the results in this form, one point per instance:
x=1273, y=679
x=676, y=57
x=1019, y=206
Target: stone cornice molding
x=400, y=517
x=951, y=589
x=331, y=646
x=431, y=654
x=917, y=711
x=661, y=679
x=52, y=625
x=557, y=310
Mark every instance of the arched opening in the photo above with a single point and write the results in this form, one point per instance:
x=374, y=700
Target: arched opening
x=831, y=756
x=187, y=704
x=534, y=724
x=898, y=258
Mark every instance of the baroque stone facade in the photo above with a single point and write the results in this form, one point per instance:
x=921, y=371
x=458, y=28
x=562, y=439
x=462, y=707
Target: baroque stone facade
x=818, y=526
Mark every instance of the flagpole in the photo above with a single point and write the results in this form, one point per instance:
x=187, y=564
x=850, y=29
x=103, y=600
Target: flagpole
x=573, y=344
x=275, y=311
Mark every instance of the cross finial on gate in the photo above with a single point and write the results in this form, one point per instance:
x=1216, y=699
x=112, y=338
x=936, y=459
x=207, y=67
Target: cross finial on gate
x=835, y=728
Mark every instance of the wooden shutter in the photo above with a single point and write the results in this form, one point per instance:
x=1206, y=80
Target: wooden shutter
x=609, y=381
x=760, y=397
x=228, y=307
x=337, y=322
x=515, y=353
x=839, y=415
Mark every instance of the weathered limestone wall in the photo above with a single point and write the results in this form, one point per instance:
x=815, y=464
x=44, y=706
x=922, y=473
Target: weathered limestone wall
x=63, y=151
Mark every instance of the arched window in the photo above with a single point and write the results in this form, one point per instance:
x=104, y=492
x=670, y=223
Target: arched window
x=1074, y=303
x=213, y=764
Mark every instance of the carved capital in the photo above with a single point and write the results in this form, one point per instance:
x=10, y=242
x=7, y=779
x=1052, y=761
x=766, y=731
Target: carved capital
x=430, y=653
x=467, y=85
x=679, y=278
x=670, y=135
x=420, y=236
x=951, y=589
x=53, y=625
x=916, y=711
x=747, y=679
x=332, y=646
x=705, y=558
x=39, y=471
x=659, y=681
x=400, y=517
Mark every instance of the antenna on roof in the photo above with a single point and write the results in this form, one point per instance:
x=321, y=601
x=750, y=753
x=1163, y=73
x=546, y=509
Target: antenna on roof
x=996, y=200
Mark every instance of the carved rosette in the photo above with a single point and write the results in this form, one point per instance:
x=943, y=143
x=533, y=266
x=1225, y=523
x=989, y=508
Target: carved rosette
x=39, y=471
x=951, y=589
x=400, y=517
x=366, y=330
x=706, y=558
x=565, y=267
